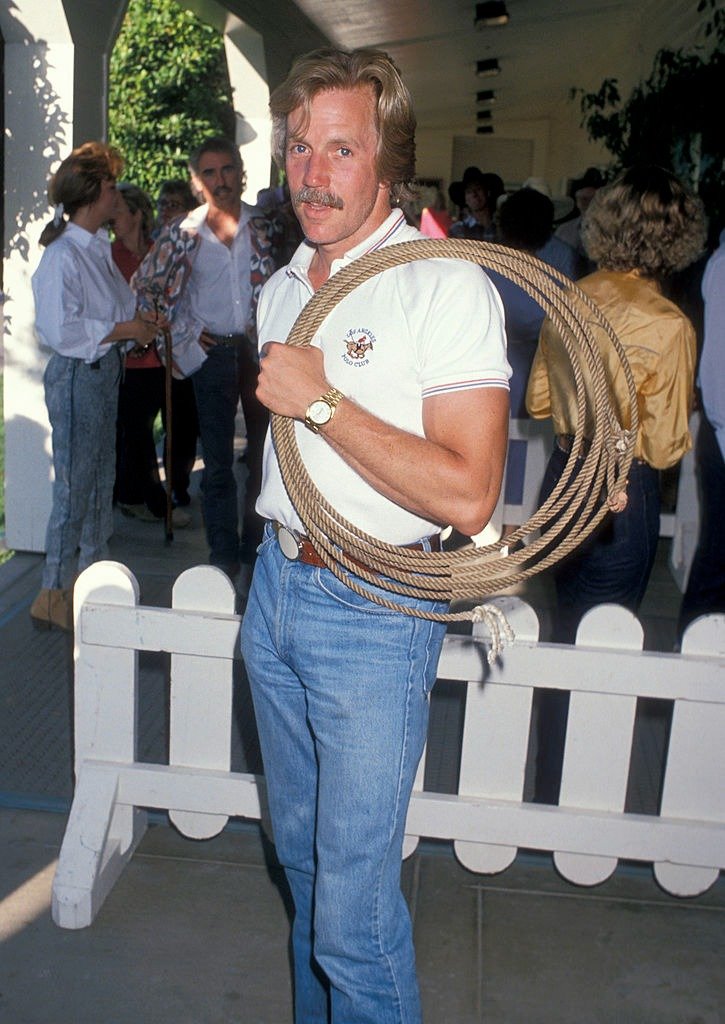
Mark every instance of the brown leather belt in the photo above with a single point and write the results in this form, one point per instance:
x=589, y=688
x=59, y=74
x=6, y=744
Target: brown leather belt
x=299, y=548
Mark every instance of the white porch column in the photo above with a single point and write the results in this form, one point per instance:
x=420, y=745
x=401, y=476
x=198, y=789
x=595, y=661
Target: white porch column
x=247, y=66
x=38, y=133
x=250, y=94
x=55, y=73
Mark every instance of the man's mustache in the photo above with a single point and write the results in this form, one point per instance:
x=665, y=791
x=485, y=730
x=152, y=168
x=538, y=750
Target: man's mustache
x=318, y=196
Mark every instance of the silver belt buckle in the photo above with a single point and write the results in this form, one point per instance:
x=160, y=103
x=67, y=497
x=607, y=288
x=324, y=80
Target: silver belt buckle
x=289, y=543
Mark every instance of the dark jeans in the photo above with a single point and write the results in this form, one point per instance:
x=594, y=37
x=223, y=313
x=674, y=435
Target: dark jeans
x=141, y=398
x=706, y=585
x=612, y=566
x=229, y=373
x=184, y=434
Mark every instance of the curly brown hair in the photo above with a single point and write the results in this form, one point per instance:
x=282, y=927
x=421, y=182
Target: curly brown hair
x=77, y=182
x=646, y=220
x=325, y=69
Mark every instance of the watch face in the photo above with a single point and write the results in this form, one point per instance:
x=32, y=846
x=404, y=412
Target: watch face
x=319, y=411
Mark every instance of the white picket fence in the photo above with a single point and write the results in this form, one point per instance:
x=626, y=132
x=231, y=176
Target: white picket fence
x=488, y=819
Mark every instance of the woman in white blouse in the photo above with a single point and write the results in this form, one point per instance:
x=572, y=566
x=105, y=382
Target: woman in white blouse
x=86, y=314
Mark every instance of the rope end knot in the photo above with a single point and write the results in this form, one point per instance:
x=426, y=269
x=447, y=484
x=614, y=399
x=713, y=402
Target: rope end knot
x=498, y=626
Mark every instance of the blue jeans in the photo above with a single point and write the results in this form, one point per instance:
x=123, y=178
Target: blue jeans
x=613, y=565
x=229, y=373
x=341, y=691
x=82, y=402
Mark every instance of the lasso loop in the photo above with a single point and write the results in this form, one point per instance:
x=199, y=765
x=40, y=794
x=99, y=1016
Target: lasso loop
x=593, y=478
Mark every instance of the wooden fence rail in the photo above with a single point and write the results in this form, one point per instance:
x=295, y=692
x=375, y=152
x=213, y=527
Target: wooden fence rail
x=488, y=819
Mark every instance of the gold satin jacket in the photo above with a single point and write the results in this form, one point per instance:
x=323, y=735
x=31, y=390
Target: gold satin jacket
x=659, y=342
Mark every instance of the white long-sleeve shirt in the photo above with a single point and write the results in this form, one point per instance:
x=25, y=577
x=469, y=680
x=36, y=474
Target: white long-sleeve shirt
x=80, y=294
x=219, y=289
x=218, y=295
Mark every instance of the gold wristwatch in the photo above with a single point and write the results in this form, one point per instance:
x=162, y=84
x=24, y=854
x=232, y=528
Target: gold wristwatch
x=322, y=410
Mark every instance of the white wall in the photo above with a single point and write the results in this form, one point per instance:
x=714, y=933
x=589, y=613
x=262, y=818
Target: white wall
x=38, y=63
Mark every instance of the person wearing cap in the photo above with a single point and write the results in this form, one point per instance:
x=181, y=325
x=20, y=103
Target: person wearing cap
x=477, y=194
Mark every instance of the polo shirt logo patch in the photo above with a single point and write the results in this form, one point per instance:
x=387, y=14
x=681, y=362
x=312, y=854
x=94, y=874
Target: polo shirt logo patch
x=359, y=344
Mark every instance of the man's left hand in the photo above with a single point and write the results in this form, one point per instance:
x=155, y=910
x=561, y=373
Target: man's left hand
x=290, y=378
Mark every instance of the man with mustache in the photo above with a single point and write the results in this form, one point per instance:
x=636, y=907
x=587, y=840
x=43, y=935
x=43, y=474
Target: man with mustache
x=401, y=404
x=207, y=270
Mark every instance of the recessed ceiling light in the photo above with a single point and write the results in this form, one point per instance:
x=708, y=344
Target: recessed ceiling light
x=493, y=13
x=487, y=67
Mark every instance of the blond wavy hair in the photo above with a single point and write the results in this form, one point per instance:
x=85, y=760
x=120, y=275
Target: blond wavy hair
x=646, y=220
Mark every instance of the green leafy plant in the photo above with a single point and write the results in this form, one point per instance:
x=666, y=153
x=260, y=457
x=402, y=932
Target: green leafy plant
x=168, y=90
x=674, y=117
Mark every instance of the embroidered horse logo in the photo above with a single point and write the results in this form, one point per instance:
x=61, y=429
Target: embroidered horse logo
x=357, y=347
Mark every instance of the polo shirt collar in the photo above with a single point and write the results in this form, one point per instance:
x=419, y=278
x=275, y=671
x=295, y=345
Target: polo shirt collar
x=392, y=223
x=300, y=262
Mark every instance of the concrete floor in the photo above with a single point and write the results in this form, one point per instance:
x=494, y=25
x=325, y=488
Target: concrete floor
x=196, y=932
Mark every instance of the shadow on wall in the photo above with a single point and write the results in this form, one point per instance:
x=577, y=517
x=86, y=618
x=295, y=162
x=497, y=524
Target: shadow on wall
x=44, y=124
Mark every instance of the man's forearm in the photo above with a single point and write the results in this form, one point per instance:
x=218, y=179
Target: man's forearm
x=451, y=475
x=425, y=476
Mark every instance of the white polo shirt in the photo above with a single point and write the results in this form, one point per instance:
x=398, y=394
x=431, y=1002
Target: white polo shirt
x=420, y=329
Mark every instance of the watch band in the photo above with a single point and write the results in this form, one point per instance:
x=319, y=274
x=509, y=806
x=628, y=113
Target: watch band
x=331, y=399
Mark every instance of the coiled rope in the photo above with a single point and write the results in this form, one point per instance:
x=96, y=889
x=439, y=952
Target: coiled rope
x=593, y=476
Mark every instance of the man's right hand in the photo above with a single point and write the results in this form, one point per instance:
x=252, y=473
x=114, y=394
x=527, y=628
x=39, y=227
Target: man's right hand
x=290, y=377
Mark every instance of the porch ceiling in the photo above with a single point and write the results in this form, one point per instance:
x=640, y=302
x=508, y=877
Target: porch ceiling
x=547, y=48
